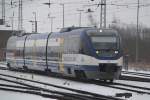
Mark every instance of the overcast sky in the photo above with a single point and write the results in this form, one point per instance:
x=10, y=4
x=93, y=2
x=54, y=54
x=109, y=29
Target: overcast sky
x=123, y=10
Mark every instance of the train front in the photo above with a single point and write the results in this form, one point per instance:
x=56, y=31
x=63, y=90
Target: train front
x=107, y=56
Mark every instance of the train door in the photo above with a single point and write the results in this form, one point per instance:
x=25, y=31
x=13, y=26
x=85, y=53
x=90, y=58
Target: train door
x=19, y=52
x=54, y=54
x=71, y=50
x=61, y=64
x=35, y=52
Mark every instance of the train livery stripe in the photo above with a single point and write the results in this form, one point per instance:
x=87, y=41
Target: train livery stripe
x=78, y=59
x=55, y=65
x=31, y=43
x=87, y=60
x=40, y=42
x=54, y=42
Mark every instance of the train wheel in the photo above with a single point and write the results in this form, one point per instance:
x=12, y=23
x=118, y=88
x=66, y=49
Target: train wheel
x=80, y=74
x=48, y=71
x=83, y=75
x=9, y=67
x=25, y=68
x=111, y=81
x=105, y=80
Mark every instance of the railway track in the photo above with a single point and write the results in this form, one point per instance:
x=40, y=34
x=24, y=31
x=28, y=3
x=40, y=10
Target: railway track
x=28, y=90
x=132, y=88
x=76, y=95
x=136, y=73
x=135, y=76
x=126, y=87
x=121, y=86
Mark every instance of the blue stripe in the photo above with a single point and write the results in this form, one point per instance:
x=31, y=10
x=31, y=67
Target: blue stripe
x=56, y=65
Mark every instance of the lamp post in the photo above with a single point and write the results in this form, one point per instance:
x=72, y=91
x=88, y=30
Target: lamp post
x=51, y=19
x=80, y=12
x=63, y=24
x=137, y=37
x=12, y=21
x=63, y=5
x=35, y=21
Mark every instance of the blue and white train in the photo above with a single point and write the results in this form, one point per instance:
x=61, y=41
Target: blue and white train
x=85, y=52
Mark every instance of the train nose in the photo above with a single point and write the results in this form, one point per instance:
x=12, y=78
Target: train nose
x=108, y=67
x=109, y=71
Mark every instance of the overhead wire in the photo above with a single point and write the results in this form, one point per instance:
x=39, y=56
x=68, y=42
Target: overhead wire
x=120, y=5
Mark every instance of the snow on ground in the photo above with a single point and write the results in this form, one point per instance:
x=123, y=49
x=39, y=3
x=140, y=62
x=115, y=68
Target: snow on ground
x=66, y=83
x=5, y=95
x=3, y=64
x=79, y=85
x=8, y=83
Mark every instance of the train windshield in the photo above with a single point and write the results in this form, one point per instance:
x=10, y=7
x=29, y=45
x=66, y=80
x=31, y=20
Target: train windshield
x=104, y=42
x=105, y=46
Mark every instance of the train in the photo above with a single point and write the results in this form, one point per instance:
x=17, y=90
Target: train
x=79, y=52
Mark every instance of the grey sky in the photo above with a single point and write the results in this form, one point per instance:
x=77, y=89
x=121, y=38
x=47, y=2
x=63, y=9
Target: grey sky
x=126, y=14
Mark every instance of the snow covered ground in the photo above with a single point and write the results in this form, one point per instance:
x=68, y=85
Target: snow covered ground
x=71, y=84
x=5, y=95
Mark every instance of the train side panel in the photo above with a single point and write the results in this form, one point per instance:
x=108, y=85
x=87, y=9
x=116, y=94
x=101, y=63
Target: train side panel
x=35, y=48
x=69, y=53
x=15, y=50
x=58, y=45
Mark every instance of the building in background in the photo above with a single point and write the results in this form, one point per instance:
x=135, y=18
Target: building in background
x=4, y=35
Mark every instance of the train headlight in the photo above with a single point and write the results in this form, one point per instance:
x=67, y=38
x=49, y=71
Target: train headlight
x=116, y=52
x=97, y=52
x=100, y=30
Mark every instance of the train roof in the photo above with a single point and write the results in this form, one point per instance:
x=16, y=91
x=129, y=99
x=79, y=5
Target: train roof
x=101, y=30
x=68, y=29
x=77, y=30
x=90, y=31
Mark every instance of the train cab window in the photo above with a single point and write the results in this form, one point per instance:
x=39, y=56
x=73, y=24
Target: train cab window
x=105, y=43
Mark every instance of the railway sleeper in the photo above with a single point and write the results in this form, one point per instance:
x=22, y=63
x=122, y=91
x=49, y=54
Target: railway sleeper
x=126, y=95
x=25, y=68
